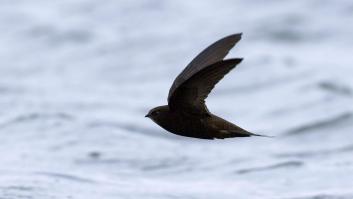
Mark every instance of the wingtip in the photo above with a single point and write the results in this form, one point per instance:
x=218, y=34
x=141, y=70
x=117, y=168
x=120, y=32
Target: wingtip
x=234, y=60
x=236, y=36
x=239, y=60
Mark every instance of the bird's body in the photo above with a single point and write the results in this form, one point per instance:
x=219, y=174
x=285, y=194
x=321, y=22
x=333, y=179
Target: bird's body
x=189, y=125
x=186, y=113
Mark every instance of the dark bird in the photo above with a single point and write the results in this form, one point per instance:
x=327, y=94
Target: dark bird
x=186, y=113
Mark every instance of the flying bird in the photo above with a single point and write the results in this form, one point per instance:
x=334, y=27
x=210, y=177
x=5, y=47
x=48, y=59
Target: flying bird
x=186, y=113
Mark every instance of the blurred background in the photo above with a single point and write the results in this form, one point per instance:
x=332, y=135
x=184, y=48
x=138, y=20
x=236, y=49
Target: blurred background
x=77, y=78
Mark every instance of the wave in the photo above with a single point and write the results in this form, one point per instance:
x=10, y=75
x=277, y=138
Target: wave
x=323, y=124
x=287, y=164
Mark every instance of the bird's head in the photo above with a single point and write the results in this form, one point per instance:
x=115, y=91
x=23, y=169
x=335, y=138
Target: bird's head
x=158, y=112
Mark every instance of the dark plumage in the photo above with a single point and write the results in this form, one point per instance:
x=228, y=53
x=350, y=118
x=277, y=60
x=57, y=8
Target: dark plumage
x=186, y=113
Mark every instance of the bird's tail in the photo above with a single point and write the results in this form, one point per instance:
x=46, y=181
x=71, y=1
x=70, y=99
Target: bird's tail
x=229, y=134
x=260, y=135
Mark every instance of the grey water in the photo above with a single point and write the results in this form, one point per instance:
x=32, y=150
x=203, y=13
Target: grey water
x=77, y=78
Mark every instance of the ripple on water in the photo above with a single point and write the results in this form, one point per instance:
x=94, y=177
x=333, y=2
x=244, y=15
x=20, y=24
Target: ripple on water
x=325, y=196
x=17, y=192
x=334, y=121
x=280, y=165
x=64, y=176
x=54, y=35
x=311, y=154
x=335, y=88
x=56, y=118
x=152, y=165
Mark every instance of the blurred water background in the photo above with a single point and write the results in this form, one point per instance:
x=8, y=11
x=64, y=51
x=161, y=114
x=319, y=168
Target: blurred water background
x=77, y=78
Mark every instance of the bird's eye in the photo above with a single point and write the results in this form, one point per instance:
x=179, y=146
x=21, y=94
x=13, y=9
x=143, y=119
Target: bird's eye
x=154, y=113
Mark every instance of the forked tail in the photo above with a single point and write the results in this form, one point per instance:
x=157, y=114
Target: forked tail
x=268, y=136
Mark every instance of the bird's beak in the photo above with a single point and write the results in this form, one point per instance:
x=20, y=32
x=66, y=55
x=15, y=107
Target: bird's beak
x=148, y=115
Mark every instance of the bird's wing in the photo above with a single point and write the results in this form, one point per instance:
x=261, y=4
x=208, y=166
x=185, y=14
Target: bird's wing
x=190, y=96
x=212, y=54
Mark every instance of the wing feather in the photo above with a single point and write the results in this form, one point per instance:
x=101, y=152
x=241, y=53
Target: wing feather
x=190, y=96
x=212, y=54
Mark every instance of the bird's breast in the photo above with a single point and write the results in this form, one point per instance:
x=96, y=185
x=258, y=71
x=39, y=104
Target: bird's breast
x=185, y=125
